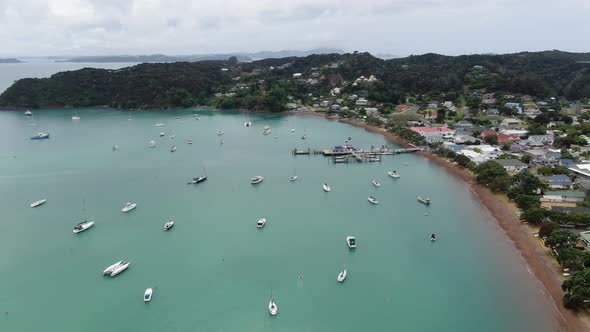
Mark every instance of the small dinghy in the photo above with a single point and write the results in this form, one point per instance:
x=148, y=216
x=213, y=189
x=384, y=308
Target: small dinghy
x=152, y=144
x=120, y=268
x=423, y=200
x=128, y=207
x=147, y=295
x=294, y=178
x=39, y=202
x=81, y=227
x=373, y=200
x=376, y=183
x=341, y=276
x=351, y=242
x=272, y=306
x=173, y=148
x=326, y=187
x=393, y=174
x=256, y=179
x=111, y=268
x=261, y=222
x=162, y=134
x=168, y=225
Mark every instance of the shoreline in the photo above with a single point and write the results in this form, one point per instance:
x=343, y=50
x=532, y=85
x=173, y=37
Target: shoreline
x=502, y=212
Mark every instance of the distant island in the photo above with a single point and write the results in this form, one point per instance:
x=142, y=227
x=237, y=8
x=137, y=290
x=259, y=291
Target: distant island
x=341, y=81
x=10, y=60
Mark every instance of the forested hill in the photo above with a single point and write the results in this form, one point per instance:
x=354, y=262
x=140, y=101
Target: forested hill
x=265, y=84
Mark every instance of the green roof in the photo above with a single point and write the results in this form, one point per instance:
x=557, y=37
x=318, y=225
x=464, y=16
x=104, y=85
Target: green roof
x=579, y=194
x=586, y=235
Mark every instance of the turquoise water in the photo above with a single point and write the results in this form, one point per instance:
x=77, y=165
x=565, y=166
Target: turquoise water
x=214, y=271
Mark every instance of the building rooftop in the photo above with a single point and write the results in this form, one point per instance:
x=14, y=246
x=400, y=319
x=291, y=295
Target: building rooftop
x=578, y=194
x=431, y=129
x=510, y=162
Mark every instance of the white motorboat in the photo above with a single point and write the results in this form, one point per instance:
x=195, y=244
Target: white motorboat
x=261, y=222
x=351, y=242
x=293, y=130
x=393, y=174
x=115, y=147
x=147, y=295
x=81, y=227
x=266, y=132
x=373, y=200
x=376, y=183
x=162, y=134
x=326, y=187
x=173, y=148
x=424, y=200
x=40, y=136
x=272, y=306
x=28, y=113
x=152, y=144
x=256, y=179
x=169, y=225
x=172, y=136
x=128, y=207
x=159, y=125
x=190, y=140
x=248, y=124
x=220, y=133
x=120, y=268
x=39, y=202
x=75, y=117
x=111, y=268
x=341, y=276
x=294, y=178
x=432, y=237
x=304, y=136
x=198, y=180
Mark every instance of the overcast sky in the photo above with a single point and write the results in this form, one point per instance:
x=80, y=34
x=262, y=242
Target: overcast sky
x=90, y=27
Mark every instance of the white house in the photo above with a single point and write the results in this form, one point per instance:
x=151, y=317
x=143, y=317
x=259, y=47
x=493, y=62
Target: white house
x=512, y=165
x=297, y=75
x=362, y=102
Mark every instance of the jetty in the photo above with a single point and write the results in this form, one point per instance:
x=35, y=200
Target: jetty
x=348, y=153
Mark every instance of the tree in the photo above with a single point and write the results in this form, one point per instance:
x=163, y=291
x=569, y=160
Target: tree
x=546, y=229
x=501, y=183
x=526, y=159
x=488, y=171
x=573, y=259
x=526, y=182
x=526, y=202
x=577, y=289
x=491, y=139
x=535, y=216
x=462, y=160
x=561, y=238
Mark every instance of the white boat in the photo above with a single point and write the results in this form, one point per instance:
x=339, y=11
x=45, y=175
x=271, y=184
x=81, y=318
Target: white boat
x=304, y=136
x=433, y=237
x=172, y=136
x=294, y=178
x=220, y=133
x=173, y=148
x=393, y=174
x=152, y=144
x=261, y=222
x=373, y=200
x=162, y=134
x=111, y=268
x=75, y=117
x=351, y=242
x=159, y=125
x=266, y=132
x=120, y=268
x=376, y=183
x=341, y=276
x=28, y=113
x=293, y=130
x=115, y=147
x=424, y=200
x=256, y=179
x=128, y=207
x=190, y=140
x=248, y=124
x=39, y=202
x=147, y=295
x=81, y=227
x=272, y=306
x=169, y=225
x=326, y=187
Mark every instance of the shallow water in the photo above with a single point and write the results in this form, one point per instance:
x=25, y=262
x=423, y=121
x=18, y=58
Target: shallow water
x=214, y=271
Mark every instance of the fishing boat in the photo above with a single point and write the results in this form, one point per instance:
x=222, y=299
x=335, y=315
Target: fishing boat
x=120, y=268
x=159, y=125
x=373, y=200
x=152, y=144
x=173, y=148
x=326, y=187
x=147, y=295
x=272, y=306
x=82, y=226
x=111, y=268
x=162, y=134
x=39, y=202
x=393, y=174
x=169, y=225
x=376, y=183
x=128, y=207
x=424, y=200
x=256, y=179
x=40, y=136
x=190, y=140
x=293, y=178
x=351, y=242
x=261, y=222
x=341, y=276
x=28, y=113
x=432, y=237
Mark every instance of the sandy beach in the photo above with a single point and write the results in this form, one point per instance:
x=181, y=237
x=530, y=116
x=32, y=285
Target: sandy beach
x=503, y=212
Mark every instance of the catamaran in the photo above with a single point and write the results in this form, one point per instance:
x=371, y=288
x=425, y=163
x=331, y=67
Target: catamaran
x=128, y=207
x=39, y=202
x=256, y=179
x=120, y=268
x=111, y=268
x=341, y=276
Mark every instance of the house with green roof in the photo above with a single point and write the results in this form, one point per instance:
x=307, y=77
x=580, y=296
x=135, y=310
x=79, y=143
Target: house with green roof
x=564, y=196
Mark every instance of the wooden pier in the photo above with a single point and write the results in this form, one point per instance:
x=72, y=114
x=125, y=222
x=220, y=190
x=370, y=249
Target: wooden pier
x=347, y=155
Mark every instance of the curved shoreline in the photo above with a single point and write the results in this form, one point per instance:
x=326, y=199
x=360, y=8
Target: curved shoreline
x=533, y=253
